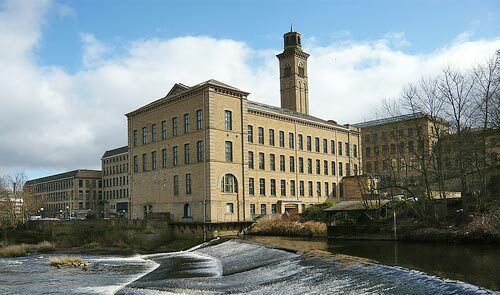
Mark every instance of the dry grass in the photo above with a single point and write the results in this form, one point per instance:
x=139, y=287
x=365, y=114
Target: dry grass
x=67, y=261
x=287, y=227
x=23, y=249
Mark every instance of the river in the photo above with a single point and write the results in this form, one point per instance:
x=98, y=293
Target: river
x=248, y=267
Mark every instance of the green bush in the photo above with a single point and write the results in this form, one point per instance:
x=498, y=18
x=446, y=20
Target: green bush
x=316, y=212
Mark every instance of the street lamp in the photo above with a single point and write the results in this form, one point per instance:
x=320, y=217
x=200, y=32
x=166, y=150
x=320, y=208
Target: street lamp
x=41, y=212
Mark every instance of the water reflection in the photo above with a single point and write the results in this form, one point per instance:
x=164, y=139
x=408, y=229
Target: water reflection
x=475, y=264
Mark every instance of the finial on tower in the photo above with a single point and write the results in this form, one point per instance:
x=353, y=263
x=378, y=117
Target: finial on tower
x=291, y=27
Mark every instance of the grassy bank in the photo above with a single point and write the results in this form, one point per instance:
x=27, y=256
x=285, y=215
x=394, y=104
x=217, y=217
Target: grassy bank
x=24, y=249
x=288, y=227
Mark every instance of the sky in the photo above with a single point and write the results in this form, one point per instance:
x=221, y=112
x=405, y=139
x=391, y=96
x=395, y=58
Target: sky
x=70, y=70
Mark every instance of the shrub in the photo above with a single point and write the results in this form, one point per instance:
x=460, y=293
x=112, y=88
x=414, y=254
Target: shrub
x=43, y=247
x=316, y=212
x=13, y=251
x=67, y=261
x=287, y=227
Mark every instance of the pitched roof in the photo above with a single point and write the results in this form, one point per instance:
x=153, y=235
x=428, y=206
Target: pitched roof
x=180, y=88
x=390, y=120
x=117, y=151
x=296, y=115
x=63, y=175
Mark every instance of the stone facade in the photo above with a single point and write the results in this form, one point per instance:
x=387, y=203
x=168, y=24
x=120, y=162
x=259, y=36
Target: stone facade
x=205, y=153
x=393, y=147
x=115, y=180
x=76, y=192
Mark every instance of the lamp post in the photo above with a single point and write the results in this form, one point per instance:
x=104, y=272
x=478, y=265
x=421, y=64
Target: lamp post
x=41, y=212
x=67, y=210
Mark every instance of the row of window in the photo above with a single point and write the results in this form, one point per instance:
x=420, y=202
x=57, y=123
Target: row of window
x=150, y=133
x=115, y=181
x=402, y=147
x=317, y=189
x=115, y=159
x=53, y=186
x=392, y=165
x=116, y=194
x=326, y=147
x=410, y=132
x=115, y=169
x=152, y=164
x=328, y=167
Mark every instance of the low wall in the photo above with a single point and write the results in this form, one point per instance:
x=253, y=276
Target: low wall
x=137, y=234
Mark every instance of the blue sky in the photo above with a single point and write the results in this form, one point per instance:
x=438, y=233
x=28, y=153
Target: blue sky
x=70, y=70
x=427, y=25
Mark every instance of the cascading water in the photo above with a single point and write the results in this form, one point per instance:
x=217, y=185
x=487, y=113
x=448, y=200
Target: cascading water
x=231, y=267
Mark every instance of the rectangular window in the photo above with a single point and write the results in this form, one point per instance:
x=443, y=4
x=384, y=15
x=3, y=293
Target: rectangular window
x=252, y=210
x=164, y=158
x=272, y=162
x=316, y=144
x=187, y=123
x=347, y=149
x=229, y=208
x=340, y=148
x=250, y=160
x=318, y=166
x=250, y=133
x=229, y=151
x=310, y=188
x=283, y=187
x=271, y=137
x=332, y=147
x=199, y=119
x=308, y=143
x=273, y=187
x=292, y=164
x=188, y=184
x=251, y=186
x=163, y=130
x=355, y=169
x=347, y=169
x=154, y=164
x=282, y=138
x=301, y=165
x=292, y=188
x=199, y=151
x=144, y=135
x=273, y=208
x=228, y=120
x=175, y=155
x=325, y=146
x=136, y=164
x=355, y=150
x=318, y=189
x=262, y=186
x=334, y=190
x=327, y=190
x=282, y=163
x=134, y=135
x=261, y=161
x=300, y=142
x=340, y=169
x=176, y=184
x=153, y=133
x=174, y=126
x=411, y=146
x=309, y=166
x=325, y=167
x=261, y=135
x=263, y=209
x=333, y=168
x=187, y=153
x=301, y=188
x=144, y=162
x=291, y=140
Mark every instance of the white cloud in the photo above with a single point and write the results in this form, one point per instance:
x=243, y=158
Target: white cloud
x=52, y=119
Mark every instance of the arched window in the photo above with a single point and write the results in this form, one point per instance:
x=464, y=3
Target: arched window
x=229, y=184
x=187, y=211
x=287, y=71
x=301, y=70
